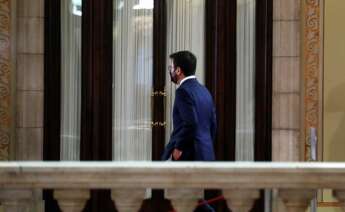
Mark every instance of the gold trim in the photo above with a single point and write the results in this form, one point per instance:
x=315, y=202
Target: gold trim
x=329, y=204
x=312, y=52
x=5, y=79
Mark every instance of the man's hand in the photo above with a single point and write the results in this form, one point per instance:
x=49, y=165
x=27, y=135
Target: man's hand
x=176, y=154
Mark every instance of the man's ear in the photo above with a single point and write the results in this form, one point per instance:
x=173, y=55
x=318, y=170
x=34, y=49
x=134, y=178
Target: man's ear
x=178, y=71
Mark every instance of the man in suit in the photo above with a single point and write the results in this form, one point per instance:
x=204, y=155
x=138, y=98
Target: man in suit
x=194, y=116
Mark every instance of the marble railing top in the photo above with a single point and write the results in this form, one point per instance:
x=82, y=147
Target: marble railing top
x=135, y=174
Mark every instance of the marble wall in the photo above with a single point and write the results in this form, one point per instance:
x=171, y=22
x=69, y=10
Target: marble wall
x=29, y=86
x=21, y=79
x=286, y=99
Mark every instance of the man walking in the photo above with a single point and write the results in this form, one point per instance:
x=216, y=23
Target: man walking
x=194, y=117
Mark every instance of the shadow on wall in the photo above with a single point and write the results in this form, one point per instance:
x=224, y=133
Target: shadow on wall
x=334, y=118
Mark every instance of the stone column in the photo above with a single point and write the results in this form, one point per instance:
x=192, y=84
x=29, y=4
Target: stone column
x=340, y=195
x=240, y=200
x=128, y=200
x=297, y=200
x=29, y=80
x=286, y=81
x=71, y=200
x=16, y=200
x=184, y=200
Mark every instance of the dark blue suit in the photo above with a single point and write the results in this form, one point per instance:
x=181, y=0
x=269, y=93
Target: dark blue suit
x=194, y=120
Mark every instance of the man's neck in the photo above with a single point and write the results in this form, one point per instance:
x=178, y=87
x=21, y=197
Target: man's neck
x=185, y=79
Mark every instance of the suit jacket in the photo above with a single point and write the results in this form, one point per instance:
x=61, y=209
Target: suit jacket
x=194, y=120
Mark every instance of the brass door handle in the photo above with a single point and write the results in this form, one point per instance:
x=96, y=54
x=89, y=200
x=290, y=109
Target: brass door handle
x=159, y=93
x=158, y=124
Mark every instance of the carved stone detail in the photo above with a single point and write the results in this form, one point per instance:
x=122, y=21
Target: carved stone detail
x=312, y=53
x=6, y=120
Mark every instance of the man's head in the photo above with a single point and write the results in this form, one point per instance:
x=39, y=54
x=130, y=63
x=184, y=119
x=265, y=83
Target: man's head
x=183, y=64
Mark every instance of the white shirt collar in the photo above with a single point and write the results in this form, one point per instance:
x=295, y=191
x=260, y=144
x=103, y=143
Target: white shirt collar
x=187, y=78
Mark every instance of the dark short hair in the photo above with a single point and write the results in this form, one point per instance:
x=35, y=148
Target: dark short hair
x=185, y=60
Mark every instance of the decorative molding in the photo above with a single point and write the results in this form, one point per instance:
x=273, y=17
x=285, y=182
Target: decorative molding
x=312, y=69
x=5, y=79
x=329, y=204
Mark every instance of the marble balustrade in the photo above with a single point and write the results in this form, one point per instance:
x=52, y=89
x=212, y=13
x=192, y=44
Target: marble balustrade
x=183, y=182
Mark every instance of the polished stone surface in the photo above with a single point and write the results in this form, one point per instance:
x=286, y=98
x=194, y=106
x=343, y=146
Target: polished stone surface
x=220, y=175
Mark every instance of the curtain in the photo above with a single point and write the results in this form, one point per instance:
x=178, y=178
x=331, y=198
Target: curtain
x=70, y=79
x=132, y=79
x=245, y=80
x=185, y=31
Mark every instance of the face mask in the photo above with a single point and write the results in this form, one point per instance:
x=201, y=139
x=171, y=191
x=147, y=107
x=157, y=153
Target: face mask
x=173, y=77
